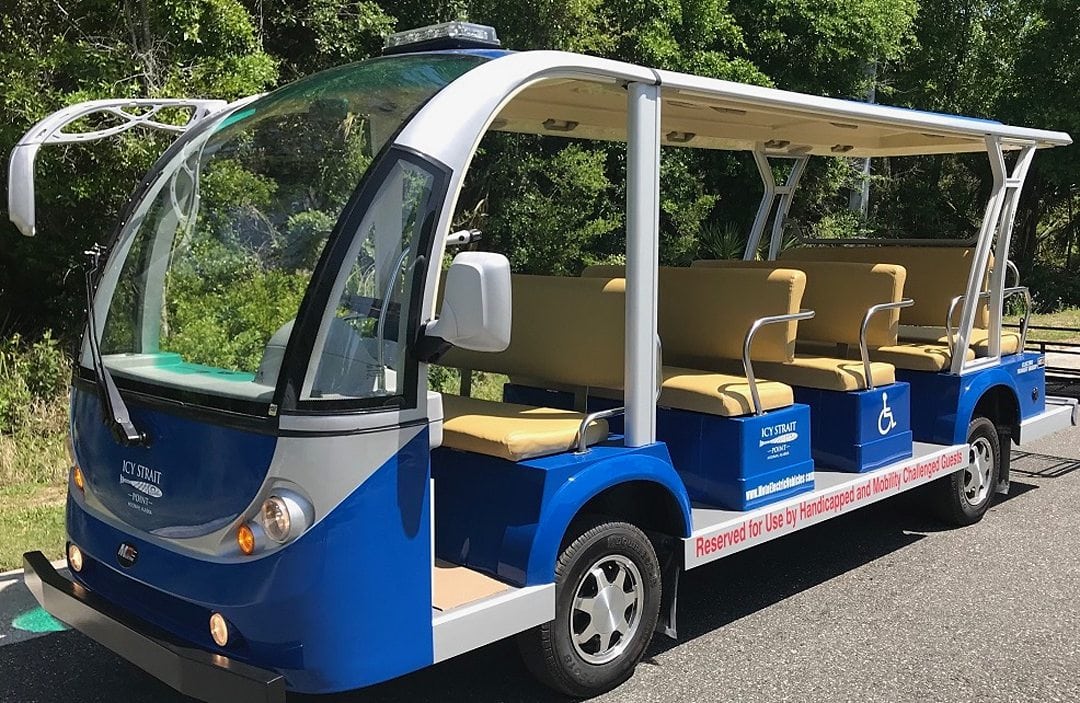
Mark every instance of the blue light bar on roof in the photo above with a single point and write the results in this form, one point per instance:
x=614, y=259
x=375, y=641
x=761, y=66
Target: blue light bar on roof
x=448, y=35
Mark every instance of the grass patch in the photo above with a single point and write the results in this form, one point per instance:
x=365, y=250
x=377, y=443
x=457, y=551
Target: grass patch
x=1062, y=318
x=33, y=484
x=31, y=517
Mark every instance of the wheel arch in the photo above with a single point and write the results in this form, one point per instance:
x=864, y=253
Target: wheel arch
x=992, y=394
x=642, y=490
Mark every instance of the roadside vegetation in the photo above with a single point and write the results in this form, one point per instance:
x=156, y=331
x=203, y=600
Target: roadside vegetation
x=33, y=458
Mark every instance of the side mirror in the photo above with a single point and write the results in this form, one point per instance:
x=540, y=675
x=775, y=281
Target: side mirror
x=475, y=313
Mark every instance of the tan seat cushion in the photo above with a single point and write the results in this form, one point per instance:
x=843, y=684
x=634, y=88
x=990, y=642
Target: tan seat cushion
x=705, y=313
x=718, y=393
x=916, y=356
x=839, y=293
x=935, y=275
x=827, y=373
x=563, y=330
x=512, y=432
x=980, y=338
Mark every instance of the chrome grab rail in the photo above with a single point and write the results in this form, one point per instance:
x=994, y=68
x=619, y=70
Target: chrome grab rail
x=582, y=436
x=1010, y=266
x=1007, y=293
x=748, y=342
x=864, y=353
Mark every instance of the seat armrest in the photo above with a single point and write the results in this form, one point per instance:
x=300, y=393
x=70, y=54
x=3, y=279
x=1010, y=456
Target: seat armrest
x=863, y=351
x=748, y=343
x=582, y=436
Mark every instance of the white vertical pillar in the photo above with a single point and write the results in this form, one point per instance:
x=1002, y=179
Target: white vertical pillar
x=642, y=260
x=765, y=208
x=981, y=258
x=1014, y=184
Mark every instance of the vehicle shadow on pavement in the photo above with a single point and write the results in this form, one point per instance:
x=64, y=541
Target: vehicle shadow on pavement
x=79, y=671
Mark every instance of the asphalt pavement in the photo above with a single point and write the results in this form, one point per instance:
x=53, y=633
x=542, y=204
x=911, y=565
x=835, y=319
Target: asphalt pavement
x=880, y=605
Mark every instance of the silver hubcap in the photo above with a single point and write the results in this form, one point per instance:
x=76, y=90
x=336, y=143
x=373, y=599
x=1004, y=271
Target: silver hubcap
x=607, y=609
x=979, y=470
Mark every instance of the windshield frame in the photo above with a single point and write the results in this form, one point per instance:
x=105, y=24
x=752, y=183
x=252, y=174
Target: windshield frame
x=289, y=380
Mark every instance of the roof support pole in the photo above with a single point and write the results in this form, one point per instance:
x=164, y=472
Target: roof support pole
x=787, y=194
x=642, y=260
x=769, y=205
x=753, y=242
x=994, y=235
x=1013, y=185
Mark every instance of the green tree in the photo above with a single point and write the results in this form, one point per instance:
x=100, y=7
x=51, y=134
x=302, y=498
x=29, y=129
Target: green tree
x=58, y=53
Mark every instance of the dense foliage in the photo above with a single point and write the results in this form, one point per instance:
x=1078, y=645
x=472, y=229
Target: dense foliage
x=551, y=206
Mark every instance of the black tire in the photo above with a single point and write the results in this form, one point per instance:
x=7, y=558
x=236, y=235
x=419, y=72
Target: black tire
x=961, y=499
x=550, y=651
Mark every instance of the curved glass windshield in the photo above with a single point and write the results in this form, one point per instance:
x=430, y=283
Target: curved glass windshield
x=211, y=269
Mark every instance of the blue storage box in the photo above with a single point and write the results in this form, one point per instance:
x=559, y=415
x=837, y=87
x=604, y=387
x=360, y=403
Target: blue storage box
x=859, y=430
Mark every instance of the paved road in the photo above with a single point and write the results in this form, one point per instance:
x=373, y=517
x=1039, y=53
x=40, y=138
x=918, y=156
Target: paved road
x=880, y=605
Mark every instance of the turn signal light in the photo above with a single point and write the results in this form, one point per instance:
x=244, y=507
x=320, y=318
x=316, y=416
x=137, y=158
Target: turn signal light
x=245, y=539
x=77, y=478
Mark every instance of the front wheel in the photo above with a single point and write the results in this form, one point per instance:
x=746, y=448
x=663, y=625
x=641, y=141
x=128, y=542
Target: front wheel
x=607, y=600
x=964, y=497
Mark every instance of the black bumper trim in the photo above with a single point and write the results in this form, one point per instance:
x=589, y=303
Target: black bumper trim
x=202, y=675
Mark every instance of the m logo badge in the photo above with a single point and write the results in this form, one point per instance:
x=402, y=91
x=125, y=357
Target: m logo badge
x=127, y=555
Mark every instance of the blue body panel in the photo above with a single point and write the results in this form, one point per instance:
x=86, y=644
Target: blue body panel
x=740, y=463
x=195, y=477
x=508, y=519
x=859, y=430
x=942, y=404
x=347, y=604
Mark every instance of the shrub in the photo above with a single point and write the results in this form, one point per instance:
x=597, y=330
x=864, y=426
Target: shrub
x=33, y=376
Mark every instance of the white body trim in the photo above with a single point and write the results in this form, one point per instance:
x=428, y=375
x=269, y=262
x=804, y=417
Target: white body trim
x=720, y=533
x=1060, y=414
x=485, y=621
x=50, y=130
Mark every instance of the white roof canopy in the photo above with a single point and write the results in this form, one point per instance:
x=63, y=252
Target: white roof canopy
x=713, y=114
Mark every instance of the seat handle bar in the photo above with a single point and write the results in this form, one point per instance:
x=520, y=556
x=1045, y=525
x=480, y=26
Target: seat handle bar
x=748, y=343
x=864, y=352
x=582, y=434
x=1022, y=291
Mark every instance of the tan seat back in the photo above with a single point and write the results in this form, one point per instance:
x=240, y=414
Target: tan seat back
x=704, y=313
x=840, y=294
x=935, y=275
x=568, y=331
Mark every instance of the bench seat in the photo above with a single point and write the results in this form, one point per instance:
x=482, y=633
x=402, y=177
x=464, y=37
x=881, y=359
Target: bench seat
x=917, y=356
x=826, y=372
x=718, y=393
x=512, y=432
x=979, y=342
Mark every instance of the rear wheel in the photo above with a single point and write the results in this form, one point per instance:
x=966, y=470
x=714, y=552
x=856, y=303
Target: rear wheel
x=964, y=497
x=607, y=600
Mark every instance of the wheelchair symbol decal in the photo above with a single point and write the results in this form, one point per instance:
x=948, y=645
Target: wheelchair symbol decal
x=885, y=420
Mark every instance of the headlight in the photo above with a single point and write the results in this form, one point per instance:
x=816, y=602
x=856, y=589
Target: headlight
x=284, y=516
x=275, y=519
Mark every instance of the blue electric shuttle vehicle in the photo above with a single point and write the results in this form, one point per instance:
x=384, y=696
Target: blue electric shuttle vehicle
x=287, y=506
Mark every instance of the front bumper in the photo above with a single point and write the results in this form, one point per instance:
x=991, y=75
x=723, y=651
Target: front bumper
x=202, y=675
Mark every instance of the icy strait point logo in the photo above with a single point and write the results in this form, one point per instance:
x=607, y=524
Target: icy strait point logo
x=143, y=479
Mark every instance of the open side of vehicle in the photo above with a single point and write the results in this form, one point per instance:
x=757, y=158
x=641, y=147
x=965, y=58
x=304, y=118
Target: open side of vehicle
x=287, y=505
